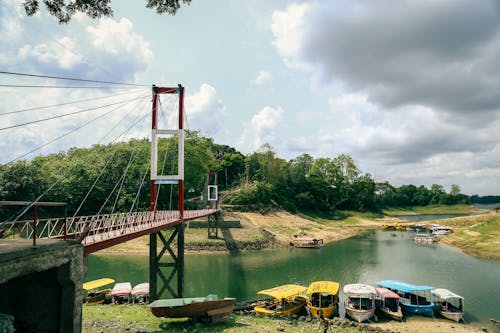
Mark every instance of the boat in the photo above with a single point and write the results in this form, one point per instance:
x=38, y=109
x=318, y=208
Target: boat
x=414, y=299
x=418, y=227
x=360, y=301
x=440, y=230
x=449, y=304
x=96, y=295
x=307, y=242
x=121, y=292
x=140, y=293
x=387, y=302
x=323, y=298
x=209, y=308
x=281, y=301
x=424, y=238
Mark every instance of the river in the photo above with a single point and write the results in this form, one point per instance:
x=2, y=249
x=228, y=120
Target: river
x=367, y=258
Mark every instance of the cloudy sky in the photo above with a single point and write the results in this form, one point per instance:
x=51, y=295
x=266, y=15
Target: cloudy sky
x=409, y=89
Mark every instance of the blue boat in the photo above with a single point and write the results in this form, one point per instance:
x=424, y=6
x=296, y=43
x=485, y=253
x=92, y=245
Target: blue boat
x=414, y=299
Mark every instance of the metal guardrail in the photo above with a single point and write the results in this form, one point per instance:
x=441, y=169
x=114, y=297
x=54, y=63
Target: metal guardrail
x=98, y=228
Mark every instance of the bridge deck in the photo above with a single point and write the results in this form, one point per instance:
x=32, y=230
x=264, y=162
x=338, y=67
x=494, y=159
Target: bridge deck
x=97, y=232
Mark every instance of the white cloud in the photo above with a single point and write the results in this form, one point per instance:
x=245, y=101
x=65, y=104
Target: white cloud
x=118, y=39
x=288, y=29
x=204, y=109
x=261, y=129
x=262, y=78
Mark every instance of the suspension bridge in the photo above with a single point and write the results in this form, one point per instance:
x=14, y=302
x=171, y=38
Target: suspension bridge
x=103, y=230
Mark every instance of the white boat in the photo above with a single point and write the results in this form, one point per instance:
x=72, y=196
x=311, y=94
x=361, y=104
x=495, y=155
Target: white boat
x=387, y=302
x=360, y=301
x=449, y=304
x=440, y=230
x=424, y=238
x=121, y=292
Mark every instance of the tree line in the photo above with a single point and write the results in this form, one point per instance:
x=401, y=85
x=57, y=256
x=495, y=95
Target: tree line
x=115, y=178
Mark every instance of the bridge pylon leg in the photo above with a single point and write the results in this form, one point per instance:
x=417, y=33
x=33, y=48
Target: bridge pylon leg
x=167, y=263
x=213, y=231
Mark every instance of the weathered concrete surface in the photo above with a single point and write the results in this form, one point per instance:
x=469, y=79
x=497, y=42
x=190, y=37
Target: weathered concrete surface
x=41, y=286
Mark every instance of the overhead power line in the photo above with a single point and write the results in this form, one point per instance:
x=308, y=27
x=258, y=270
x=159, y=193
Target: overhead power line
x=72, y=79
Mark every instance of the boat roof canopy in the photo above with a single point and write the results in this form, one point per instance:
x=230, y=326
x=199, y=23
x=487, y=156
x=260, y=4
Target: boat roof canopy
x=358, y=288
x=403, y=286
x=386, y=293
x=122, y=288
x=97, y=283
x=329, y=287
x=141, y=289
x=445, y=294
x=284, y=291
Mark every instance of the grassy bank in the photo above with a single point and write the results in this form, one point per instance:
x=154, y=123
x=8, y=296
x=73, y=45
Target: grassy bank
x=431, y=209
x=137, y=318
x=476, y=235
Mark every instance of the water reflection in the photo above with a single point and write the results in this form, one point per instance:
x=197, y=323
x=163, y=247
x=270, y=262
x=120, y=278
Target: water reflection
x=367, y=259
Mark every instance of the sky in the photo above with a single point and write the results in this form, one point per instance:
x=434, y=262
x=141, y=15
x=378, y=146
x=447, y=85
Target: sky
x=409, y=89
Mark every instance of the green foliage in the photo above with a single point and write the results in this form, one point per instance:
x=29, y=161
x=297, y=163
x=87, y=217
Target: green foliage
x=115, y=178
x=64, y=10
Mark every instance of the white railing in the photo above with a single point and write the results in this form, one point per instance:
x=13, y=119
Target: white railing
x=98, y=228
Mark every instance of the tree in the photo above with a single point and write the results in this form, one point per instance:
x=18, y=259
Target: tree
x=63, y=10
x=455, y=190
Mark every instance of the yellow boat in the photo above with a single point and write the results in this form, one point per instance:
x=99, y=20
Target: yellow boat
x=323, y=296
x=281, y=301
x=94, y=294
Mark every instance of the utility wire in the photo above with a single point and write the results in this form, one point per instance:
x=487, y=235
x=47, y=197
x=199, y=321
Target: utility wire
x=72, y=79
x=67, y=103
x=68, y=114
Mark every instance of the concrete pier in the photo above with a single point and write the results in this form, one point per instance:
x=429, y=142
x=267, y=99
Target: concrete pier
x=41, y=286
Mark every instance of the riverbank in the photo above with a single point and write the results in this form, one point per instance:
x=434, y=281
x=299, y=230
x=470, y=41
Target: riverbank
x=477, y=235
x=137, y=318
x=243, y=231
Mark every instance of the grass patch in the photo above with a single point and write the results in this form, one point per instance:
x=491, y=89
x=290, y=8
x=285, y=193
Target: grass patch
x=137, y=318
x=431, y=209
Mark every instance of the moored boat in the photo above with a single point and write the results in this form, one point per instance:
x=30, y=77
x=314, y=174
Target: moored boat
x=360, y=301
x=449, y=304
x=281, y=301
x=440, y=230
x=414, y=299
x=121, y=292
x=306, y=242
x=140, y=293
x=198, y=308
x=95, y=295
x=387, y=302
x=322, y=297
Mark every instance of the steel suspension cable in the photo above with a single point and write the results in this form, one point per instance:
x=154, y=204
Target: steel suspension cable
x=66, y=103
x=69, y=114
x=71, y=79
x=64, y=135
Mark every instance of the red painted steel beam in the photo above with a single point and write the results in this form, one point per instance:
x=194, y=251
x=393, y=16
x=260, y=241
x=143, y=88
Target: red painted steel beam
x=94, y=247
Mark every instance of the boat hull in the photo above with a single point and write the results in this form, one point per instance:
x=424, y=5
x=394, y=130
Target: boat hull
x=327, y=312
x=423, y=310
x=216, y=310
x=290, y=308
x=359, y=315
x=396, y=315
x=455, y=316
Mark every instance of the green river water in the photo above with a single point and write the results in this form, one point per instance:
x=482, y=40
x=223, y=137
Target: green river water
x=368, y=258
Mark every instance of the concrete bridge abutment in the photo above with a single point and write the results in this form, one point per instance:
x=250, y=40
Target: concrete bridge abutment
x=41, y=286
